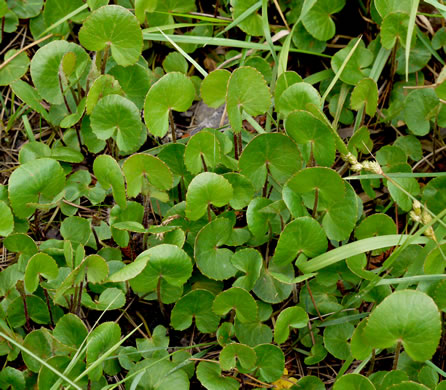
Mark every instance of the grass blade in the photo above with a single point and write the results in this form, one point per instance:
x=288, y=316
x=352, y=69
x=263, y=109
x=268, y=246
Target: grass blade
x=242, y=17
x=43, y=362
x=412, y=16
x=412, y=279
x=65, y=18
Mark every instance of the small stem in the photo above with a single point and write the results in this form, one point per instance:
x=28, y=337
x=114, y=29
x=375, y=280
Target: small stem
x=153, y=211
x=158, y=294
x=172, y=127
x=79, y=300
x=180, y=191
x=205, y=167
x=316, y=200
x=372, y=362
x=240, y=143
x=209, y=213
x=235, y=146
x=397, y=355
x=104, y=59
x=63, y=95
x=312, y=300
x=47, y=298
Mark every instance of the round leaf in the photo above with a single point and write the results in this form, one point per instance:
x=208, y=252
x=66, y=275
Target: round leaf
x=15, y=69
x=305, y=128
x=10, y=376
x=434, y=194
x=418, y=328
x=271, y=153
x=235, y=353
x=365, y=93
x=294, y=317
x=238, y=299
x=250, y=262
x=103, y=86
x=32, y=182
x=248, y=91
x=243, y=190
x=296, y=97
x=196, y=305
x=143, y=169
x=25, y=9
x=303, y=235
x=335, y=340
x=209, y=375
x=116, y=27
x=173, y=91
x=109, y=174
x=270, y=362
x=76, y=229
x=203, y=146
x=353, y=382
x=39, y=264
x=70, y=330
x=317, y=20
x=213, y=87
x=117, y=117
x=6, y=219
x=46, y=65
x=205, y=189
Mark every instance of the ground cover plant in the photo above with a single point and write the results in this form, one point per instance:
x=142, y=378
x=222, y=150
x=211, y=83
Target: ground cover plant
x=222, y=195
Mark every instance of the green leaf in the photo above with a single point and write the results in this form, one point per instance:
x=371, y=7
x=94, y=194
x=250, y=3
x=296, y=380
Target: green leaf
x=116, y=27
x=318, y=20
x=434, y=194
x=213, y=87
x=10, y=376
x=175, y=62
x=173, y=91
x=38, y=343
x=100, y=340
x=269, y=289
x=296, y=97
x=58, y=9
x=394, y=28
x=45, y=69
x=418, y=329
x=285, y=80
x=243, y=190
x=134, y=81
x=385, y=7
x=418, y=110
x=294, y=317
x=233, y=355
x=250, y=262
x=212, y=261
x=357, y=67
x=195, y=305
x=365, y=93
x=109, y=174
x=270, y=154
x=305, y=128
x=252, y=24
x=335, y=340
x=209, y=375
x=15, y=69
x=247, y=91
x=117, y=117
x=29, y=96
x=110, y=299
x=142, y=170
x=39, y=264
x=205, y=189
x=353, y=382
x=76, y=230
x=70, y=330
x=20, y=243
x=202, y=146
x=270, y=362
x=103, y=86
x=37, y=181
x=236, y=299
x=166, y=262
x=6, y=219
x=25, y=9
x=131, y=270
x=303, y=235
x=309, y=382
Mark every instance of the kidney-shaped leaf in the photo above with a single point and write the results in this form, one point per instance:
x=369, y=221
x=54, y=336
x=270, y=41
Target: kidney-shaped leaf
x=249, y=261
x=116, y=27
x=353, y=382
x=304, y=127
x=195, y=305
x=270, y=362
x=238, y=299
x=173, y=91
x=233, y=354
x=70, y=330
x=303, y=235
x=142, y=170
x=209, y=375
x=46, y=64
x=103, y=86
x=167, y=262
x=271, y=153
x=318, y=20
x=117, y=117
x=39, y=264
x=248, y=91
x=15, y=69
x=296, y=97
x=213, y=88
x=212, y=261
x=34, y=181
x=205, y=189
x=410, y=317
x=202, y=152
x=365, y=93
x=6, y=219
x=294, y=317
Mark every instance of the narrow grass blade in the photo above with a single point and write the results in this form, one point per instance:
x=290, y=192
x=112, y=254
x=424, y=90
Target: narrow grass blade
x=412, y=279
x=356, y=248
x=340, y=70
x=285, y=52
x=395, y=175
x=266, y=30
x=65, y=18
x=43, y=362
x=28, y=129
x=195, y=15
x=308, y=4
x=241, y=18
x=412, y=16
x=429, y=47
x=187, y=56
x=440, y=7
x=176, y=25
x=319, y=76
